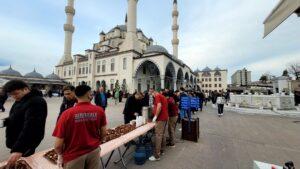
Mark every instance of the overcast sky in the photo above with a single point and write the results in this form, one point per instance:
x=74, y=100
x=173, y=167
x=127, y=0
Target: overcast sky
x=224, y=33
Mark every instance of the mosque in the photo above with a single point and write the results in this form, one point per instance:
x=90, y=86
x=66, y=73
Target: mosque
x=125, y=56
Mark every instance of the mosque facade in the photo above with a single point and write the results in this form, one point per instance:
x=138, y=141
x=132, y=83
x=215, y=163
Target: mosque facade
x=125, y=56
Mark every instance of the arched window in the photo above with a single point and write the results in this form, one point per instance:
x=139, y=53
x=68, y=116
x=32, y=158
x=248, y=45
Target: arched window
x=103, y=66
x=112, y=65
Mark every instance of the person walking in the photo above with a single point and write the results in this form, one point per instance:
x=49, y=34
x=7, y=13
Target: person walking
x=173, y=116
x=101, y=98
x=201, y=99
x=133, y=107
x=25, y=125
x=120, y=96
x=220, y=102
x=3, y=98
x=79, y=132
x=116, y=96
x=69, y=99
x=183, y=113
x=161, y=117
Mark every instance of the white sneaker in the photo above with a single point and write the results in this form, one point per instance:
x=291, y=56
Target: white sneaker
x=222, y=114
x=152, y=158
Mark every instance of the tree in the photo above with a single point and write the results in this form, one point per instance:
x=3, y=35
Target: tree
x=294, y=69
x=285, y=73
x=263, y=79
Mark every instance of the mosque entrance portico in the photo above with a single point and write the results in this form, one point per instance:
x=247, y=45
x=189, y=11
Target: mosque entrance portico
x=179, y=80
x=147, y=76
x=186, y=80
x=170, y=75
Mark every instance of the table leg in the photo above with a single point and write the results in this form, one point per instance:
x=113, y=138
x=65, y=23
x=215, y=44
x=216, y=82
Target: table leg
x=105, y=166
x=102, y=163
x=127, y=148
x=122, y=159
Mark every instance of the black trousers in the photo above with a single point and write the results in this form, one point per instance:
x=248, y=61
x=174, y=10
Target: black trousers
x=2, y=107
x=220, y=108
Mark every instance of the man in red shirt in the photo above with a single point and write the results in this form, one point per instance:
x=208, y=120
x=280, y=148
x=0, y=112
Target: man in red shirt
x=173, y=116
x=161, y=117
x=79, y=132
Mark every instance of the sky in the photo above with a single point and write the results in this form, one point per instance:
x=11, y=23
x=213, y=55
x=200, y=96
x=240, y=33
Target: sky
x=227, y=34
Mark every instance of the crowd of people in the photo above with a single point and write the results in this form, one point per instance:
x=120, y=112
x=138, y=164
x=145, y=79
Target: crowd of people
x=81, y=125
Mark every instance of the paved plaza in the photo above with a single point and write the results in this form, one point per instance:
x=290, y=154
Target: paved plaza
x=230, y=142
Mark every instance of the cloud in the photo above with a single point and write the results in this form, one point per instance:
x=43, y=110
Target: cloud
x=220, y=33
x=274, y=65
x=4, y=62
x=229, y=34
x=27, y=46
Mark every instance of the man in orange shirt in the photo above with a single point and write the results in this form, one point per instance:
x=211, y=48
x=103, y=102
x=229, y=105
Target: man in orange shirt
x=161, y=117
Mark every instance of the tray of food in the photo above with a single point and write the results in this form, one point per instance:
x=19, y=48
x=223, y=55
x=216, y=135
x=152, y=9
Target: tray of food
x=51, y=156
x=118, y=131
x=21, y=164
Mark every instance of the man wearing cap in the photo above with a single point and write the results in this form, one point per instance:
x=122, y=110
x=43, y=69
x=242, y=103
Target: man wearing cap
x=79, y=132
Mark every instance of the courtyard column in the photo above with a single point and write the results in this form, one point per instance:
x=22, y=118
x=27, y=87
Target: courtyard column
x=175, y=83
x=162, y=82
x=133, y=85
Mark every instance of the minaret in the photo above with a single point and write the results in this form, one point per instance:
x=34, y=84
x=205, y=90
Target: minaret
x=69, y=29
x=175, y=27
x=131, y=41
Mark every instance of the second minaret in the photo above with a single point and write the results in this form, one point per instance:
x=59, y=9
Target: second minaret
x=175, y=28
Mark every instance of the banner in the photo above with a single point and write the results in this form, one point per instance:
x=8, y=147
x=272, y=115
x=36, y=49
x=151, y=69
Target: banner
x=185, y=103
x=195, y=102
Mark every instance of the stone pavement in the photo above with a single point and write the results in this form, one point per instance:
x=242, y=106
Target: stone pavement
x=113, y=113
x=230, y=142
x=233, y=142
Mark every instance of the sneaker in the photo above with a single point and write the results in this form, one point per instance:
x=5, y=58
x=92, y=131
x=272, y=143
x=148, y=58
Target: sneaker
x=152, y=158
x=222, y=114
x=171, y=145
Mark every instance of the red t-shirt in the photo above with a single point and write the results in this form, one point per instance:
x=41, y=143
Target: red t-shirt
x=163, y=115
x=173, y=108
x=79, y=126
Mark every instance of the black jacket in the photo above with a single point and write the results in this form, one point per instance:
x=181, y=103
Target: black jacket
x=25, y=126
x=3, y=98
x=132, y=106
x=66, y=104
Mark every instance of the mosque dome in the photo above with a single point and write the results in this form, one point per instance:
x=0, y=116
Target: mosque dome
x=156, y=49
x=53, y=76
x=206, y=69
x=34, y=74
x=10, y=72
x=217, y=69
